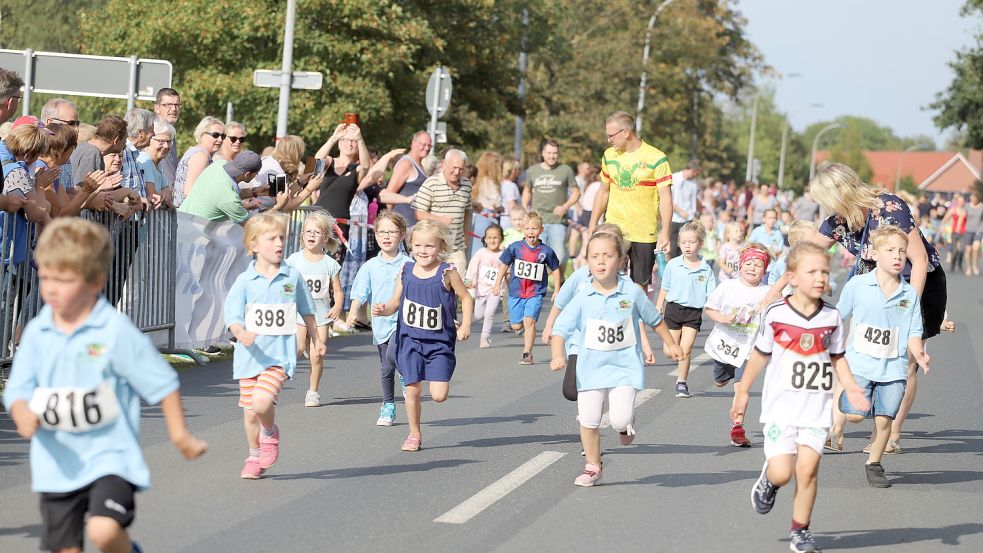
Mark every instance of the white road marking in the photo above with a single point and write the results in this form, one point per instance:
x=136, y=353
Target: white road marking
x=640, y=398
x=480, y=501
x=695, y=362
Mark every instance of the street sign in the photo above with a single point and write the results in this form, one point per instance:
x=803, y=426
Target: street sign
x=302, y=80
x=439, y=92
x=441, y=133
x=102, y=76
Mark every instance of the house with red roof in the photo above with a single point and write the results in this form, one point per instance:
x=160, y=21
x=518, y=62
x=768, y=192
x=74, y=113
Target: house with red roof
x=944, y=172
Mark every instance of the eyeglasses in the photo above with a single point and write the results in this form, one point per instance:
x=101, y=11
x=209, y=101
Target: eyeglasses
x=170, y=106
x=72, y=123
x=162, y=140
x=387, y=233
x=215, y=134
x=234, y=139
x=610, y=136
x=312, y=232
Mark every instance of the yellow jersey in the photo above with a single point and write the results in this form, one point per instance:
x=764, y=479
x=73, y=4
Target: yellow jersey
x=634, y=179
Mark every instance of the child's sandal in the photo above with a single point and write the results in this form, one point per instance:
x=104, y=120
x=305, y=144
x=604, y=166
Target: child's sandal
x=412, y=443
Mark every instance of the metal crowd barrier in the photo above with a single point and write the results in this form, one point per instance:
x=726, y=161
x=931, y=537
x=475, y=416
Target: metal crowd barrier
x=141, y=280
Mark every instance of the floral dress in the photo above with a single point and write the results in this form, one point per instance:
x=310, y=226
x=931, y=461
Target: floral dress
x=893, y=212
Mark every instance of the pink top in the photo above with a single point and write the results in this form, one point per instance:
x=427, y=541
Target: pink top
x=483, y=270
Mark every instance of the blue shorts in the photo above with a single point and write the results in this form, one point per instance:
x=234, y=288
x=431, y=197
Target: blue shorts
x=884, y=398
x=417, y=361
x=520, y=308
x=724, y=373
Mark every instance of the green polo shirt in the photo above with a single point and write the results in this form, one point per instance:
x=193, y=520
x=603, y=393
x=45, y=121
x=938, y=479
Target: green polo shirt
x=215, y=196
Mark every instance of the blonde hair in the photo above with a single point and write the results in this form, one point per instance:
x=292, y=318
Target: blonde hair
x=324, y=222
x=27, y=141
x=756, y=246
x=839, y=190
x=801, y=230
x=438, y=230
x=883, y=233
x=802, y=250
x=264, y=222
x=614, y=230
x=489, y=167
x=731, y=228
x=205, y=124
x=619, y=243
x=76, y=245
x=696, y=228
x=395, y=218
x=623, y=120
x=533, y=216
x=288, y=152
x=517, y=214
x=508, y=166
x=86, y=132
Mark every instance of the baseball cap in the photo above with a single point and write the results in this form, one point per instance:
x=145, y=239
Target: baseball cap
x=26, y=120
x=246, y=162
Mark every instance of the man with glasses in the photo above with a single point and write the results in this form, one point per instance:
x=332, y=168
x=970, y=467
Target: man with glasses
x=10, y=85
x=168, y=108
x=60, y=110
x=635, y=181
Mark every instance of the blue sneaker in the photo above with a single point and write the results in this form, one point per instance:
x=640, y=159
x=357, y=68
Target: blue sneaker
x=136, y=548
x=763, y=493
x=387, y=415
x=801, y=541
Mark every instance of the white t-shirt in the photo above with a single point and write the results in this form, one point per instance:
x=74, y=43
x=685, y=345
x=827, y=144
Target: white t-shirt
x=270, y=167
x=731, y=344
x=510, y=193
x=798, y=387
x=587, y=198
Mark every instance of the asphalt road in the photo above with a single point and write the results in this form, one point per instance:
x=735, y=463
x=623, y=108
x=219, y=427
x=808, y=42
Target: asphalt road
x=496, y=472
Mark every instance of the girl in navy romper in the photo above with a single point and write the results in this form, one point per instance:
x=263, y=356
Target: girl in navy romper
x=425, y=332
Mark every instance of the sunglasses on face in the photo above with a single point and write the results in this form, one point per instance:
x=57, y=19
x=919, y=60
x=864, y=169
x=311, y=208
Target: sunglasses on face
x=234, y=139
x=72, y=123
x=215, y=135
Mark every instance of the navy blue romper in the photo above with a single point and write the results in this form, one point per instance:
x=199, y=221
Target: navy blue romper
x=425, y=331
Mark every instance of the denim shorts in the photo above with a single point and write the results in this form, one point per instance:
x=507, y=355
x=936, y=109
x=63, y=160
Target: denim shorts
x=884, y=398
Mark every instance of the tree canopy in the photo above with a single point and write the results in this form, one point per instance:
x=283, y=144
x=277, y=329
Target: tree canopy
x=961, y=105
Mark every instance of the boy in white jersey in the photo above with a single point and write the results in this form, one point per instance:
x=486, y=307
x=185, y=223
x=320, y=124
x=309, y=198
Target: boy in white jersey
x=801, y=342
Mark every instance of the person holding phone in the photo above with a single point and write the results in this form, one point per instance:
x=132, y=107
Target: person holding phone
x=216, y=197
x=344, y=175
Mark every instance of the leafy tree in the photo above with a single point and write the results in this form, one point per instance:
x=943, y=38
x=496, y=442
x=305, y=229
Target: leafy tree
x=44, y=25
x=961, y=105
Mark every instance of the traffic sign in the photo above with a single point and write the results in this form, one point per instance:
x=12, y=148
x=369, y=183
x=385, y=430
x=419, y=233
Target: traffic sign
x=102, y=76
x=302, y=80
x=439, y=92
x=440, y=133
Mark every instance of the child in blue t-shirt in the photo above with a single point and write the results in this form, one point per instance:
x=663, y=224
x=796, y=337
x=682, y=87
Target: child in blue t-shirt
x=377, y=278
x=605, y=316
x=320, y=272
x=528, y=261
x=687, y=282
x=261, y=309
x=768, y=234
x=426, y=296
x=75, y=390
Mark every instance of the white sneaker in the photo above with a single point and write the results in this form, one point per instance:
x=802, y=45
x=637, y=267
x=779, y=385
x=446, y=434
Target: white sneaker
x=312, y=399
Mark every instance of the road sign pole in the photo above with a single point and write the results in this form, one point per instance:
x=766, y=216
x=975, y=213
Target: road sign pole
x=131, y=94
x=434, y=106
x=28, y=80
x=286, y=72
x=229, y=112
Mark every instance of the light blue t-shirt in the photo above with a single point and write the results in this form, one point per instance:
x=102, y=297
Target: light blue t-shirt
x=773, y=239
x=5, y=154
x=777, y=269
x=598, y=369
x=249, y=288
x=108, y=349
x=375, y=283
x=570, y=288
x=150, y=172
x=317, y=276
x=863, y=299
x=688, y=287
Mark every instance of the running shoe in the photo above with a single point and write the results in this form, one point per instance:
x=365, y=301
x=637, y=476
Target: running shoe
x=506, y=328
x=801, y=541
x=590, y=476
x=135, y=547
x=628, y=436
x=312, y=399
x=526, y=358
x=682, y=390
x=269, y=448
x=763, y=494
x=251, y=470
x=875, y=475
x=737, y=436
x=412, y=443
x=387, y=415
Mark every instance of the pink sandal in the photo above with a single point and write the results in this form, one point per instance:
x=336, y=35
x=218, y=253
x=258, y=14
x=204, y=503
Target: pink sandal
x=413, y=442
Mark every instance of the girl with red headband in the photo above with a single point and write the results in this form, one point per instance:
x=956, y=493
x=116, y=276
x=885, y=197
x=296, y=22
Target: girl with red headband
x=734, y=308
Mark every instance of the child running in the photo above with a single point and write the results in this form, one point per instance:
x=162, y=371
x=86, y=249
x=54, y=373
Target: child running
x=687, y=282
x=320, y=272
x=377, y=278
x=261, y=311
x=886, y=323
x=729, y=256
x=800, y=345
x=733, y=307
x=711, y=245
x=481, y=277
x=425, y=334
x=75, y=389
x=607, y=314
x=529, y=259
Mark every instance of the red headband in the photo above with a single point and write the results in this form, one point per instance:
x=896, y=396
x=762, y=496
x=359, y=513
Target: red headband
x=754, y=253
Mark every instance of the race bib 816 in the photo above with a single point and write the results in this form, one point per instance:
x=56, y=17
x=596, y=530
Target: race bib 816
x=75, y=409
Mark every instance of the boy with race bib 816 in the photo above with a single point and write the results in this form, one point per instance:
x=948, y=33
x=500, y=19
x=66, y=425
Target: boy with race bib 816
x=261, y=311
x=799, y=345
x=529, y=260
x=75, y=390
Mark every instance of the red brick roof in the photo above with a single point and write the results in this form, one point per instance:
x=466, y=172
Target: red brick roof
x=932, y=171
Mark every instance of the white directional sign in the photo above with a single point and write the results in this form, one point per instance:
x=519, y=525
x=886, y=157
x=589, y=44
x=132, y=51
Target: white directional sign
x=303, y=80
x=439, y=90
x=102, y=76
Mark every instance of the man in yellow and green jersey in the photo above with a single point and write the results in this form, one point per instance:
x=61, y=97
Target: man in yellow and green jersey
x=635, y=180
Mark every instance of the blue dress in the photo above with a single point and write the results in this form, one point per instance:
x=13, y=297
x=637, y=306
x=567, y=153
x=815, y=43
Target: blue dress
x=425, y=331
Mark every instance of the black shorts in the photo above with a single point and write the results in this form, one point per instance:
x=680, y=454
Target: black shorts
x=674, y=229
x=63, y=514
x=570, y=379
x=724, y=373
x=677, y=316
x=934, y=298
x=641, y=259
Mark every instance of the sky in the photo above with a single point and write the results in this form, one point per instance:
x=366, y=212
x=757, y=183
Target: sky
x=881, y=59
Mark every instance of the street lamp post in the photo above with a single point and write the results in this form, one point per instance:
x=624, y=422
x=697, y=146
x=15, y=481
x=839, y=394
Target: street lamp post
x=781, y=157
x=750, y=142
x=815, y=144
x=645, y=62
x=897, y=169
